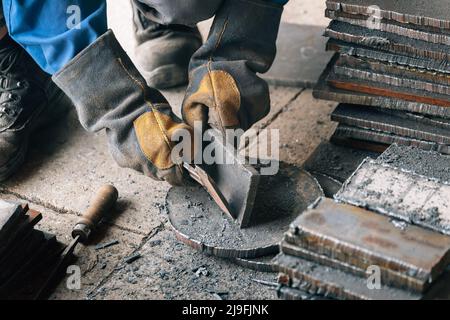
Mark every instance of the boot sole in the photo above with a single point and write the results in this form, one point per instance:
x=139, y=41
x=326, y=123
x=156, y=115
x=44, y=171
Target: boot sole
x=166, y=77
x=8, y=169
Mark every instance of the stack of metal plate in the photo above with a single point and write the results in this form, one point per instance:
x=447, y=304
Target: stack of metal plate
x=391, y=72
x=385, y=236
x=26, y=254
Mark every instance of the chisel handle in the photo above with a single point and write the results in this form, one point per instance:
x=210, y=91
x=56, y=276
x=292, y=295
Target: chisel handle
x=100, y=205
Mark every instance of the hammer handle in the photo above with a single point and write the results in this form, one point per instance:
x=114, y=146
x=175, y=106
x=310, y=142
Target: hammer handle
x=100, y=205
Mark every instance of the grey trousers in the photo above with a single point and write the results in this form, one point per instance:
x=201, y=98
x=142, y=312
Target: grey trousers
x=184, y=12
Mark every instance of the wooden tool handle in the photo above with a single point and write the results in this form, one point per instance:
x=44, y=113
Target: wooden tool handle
x=101, y=204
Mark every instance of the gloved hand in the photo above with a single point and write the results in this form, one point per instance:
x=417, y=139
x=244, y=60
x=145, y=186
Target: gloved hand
x=224, y=90
x=109, y=93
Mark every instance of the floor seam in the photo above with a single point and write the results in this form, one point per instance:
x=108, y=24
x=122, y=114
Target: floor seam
x=282, y=109
x=49, y=206
x=275, y=116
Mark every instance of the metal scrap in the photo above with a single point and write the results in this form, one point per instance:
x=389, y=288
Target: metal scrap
x=423, y=33
x=386, y=41
x=411, y=259
x=105, y=245
x=324, y=90
x=400, y=194
x=335, y=284
x=350, y=135
x=431, y=13
x=392, y=122
x=26, y=254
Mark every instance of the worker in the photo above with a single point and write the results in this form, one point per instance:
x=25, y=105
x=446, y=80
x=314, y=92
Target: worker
x=69, y=40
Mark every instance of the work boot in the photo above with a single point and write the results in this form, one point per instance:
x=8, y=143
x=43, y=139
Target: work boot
x=109, y=93
x=28, y=100
x=225, y=91
x=163, y=51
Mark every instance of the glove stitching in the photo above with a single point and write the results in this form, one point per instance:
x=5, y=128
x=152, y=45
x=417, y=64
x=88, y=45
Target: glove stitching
x=149, y=103
x=219, y=40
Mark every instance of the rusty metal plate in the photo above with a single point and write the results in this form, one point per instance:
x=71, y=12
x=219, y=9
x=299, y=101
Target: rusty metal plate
x=400, y=81
x=388, y=277
x=300, y=56
x=379, y=67
x=335, y=284
x=424, y=33
x=336, y=162
x=430, y=164
x=382, y=89
x=362, y=52
x=349, y=135
x=386, y=41
x=362, y=238
x=391, y=122
x=199, y=223
x=325, y=91
x=433, y=13
x=396, y=72
x=401, y=194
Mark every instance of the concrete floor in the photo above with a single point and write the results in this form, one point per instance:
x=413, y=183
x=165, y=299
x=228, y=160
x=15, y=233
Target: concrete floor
x=66, y=165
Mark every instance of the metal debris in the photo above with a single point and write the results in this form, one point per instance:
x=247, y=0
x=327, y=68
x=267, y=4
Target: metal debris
x=106, y=245
x=133, y=258
x=201, y=271
x=265, y=283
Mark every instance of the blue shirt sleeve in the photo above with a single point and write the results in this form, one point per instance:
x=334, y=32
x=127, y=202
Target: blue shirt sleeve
x=53, y=32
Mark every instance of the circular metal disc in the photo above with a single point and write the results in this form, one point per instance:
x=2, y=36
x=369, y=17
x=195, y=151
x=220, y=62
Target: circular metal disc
x=262, y=264
x=199, y=222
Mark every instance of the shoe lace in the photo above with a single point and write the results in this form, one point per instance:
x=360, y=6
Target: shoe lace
x=8, y=59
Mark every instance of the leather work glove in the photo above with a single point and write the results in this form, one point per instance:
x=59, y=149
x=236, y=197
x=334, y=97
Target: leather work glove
x=224, y=90
x=109, y=93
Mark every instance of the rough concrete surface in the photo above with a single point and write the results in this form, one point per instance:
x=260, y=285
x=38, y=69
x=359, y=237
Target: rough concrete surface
x=66, y=165
x=300, y=56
